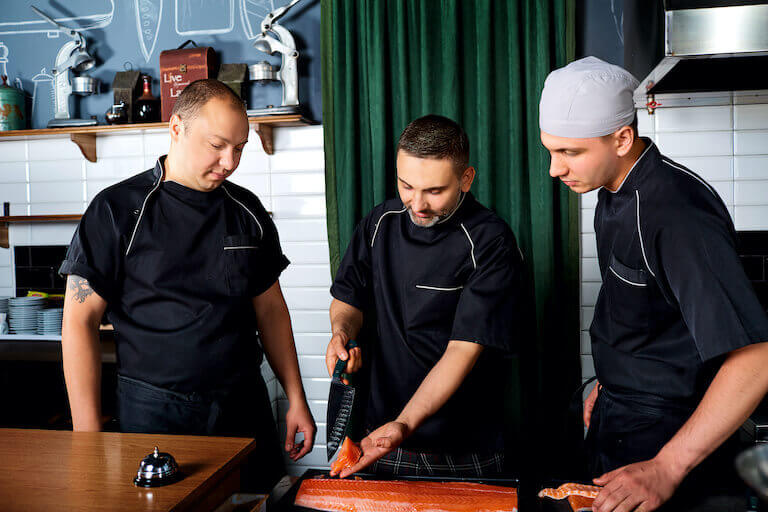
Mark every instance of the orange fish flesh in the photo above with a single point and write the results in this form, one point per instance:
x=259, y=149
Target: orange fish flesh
x=349, y=454
x=580, y=496
x=335, y=495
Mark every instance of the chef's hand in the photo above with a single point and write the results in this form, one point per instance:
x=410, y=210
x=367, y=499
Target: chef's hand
x=589, y=404
x=377, y=444
x=640, y=487
x=299, y=419
x=337, y=350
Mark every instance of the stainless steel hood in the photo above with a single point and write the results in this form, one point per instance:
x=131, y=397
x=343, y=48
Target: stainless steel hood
x=696, y=46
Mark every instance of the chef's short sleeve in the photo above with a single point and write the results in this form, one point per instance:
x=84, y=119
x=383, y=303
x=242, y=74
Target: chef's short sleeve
x=272, y=260
x=698, y=262
x=490, y=311
x=95, y=252
x=353, y=279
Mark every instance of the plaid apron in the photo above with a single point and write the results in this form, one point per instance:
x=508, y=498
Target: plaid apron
x=401, y=462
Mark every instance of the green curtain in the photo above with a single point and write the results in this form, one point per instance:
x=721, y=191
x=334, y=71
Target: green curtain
x=483, y=64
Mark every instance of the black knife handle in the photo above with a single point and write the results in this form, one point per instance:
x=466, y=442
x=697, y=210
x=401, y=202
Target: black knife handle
x=341, y=364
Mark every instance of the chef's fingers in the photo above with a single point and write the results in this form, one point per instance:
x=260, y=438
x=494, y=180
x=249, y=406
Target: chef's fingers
x=365, y=461
x=355, y=360
x=297, y=449
x=290, y=436
x=631, y=504
x=309, y=441
x=607, y=477
x=335, y=352
x=589, y=405
x=609, y=498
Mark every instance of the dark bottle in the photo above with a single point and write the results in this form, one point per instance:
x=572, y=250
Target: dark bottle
x=147, y=106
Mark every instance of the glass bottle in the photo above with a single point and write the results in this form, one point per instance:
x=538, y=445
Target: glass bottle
x=147, y=106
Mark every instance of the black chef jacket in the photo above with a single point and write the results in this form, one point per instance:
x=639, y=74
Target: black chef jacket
x=178, y=269
x=461, y=279
x=674, y=301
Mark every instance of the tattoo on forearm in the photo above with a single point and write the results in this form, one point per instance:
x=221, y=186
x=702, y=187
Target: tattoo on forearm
x=80, y=287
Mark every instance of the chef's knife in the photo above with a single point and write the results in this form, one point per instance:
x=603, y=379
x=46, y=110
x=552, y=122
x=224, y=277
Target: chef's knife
x=341, y=402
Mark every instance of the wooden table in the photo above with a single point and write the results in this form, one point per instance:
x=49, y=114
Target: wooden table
x=46, y=470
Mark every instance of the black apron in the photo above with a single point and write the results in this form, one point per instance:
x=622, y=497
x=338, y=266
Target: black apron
x=243, y=411
x=624, y=430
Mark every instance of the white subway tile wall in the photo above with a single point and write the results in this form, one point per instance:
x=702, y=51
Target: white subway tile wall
x=49, y=176
x=726, y=145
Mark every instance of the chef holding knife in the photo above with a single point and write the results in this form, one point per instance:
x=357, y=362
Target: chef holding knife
x=678, y=335
x=441, y=277
x=186, y=264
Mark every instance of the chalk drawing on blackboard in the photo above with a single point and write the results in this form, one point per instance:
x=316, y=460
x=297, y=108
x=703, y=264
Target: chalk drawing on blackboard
x=252, y=13
x=43, y=97
x=3, y=59
x=22, y=20
x=195, y=17
x=149, y=13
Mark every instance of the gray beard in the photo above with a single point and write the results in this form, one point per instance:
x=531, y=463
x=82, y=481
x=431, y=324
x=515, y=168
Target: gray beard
x=437, y=218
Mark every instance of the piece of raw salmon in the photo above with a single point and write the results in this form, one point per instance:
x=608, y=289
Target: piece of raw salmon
x=336, y=495
x=579, y=496
x=349, y=454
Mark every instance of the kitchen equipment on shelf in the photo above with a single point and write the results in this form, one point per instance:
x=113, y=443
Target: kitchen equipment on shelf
x=157, y=469
x=126, y=88
x=12, y=107
x=263, y=72
x=116, y=114
x=179, y=68
x=72, y=58
x=147, y=106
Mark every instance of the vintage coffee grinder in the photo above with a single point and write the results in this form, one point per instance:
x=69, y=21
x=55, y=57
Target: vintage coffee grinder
x=72, y=59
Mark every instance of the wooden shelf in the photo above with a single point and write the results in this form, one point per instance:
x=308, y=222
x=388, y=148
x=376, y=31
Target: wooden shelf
x=85, y=136
x=5, y=222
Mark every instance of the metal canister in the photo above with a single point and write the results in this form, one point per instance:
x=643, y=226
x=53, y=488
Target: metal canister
x=12, y=116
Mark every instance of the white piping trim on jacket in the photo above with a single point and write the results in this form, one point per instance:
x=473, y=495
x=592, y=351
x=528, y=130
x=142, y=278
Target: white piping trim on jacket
x=471, y=244
x=439, y=289
x=141, y=213
x=463, y=195
x=642, y=285
x=691, y=174
x=649, y=146
x=232, y=248
x=640, y=234
x=261, y=230
x=375, y=231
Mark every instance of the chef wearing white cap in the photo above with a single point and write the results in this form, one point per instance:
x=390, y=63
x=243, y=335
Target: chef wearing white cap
x=678, y=335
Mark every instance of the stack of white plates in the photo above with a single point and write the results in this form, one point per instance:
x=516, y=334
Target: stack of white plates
x=49, y=321
x=22, y=314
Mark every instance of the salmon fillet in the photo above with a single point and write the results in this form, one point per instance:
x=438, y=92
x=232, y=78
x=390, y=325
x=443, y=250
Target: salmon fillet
x=580, y=496
x=334, y=495
x=349, y=454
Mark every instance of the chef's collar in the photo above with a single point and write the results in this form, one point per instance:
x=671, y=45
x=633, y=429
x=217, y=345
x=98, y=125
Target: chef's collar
x=181, y=191
x=646, y=159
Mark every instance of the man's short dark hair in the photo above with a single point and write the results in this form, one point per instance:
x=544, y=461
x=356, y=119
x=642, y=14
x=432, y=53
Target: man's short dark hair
x=436, y=137
x=200, y=92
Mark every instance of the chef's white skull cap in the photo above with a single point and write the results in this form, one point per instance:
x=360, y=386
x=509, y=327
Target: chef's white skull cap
x=587, y=98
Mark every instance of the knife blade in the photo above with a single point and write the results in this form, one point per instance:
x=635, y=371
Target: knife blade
x=341, y=403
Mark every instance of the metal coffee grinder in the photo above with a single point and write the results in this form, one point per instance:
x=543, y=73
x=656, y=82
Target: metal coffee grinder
x=263, y=72
x=72, y=58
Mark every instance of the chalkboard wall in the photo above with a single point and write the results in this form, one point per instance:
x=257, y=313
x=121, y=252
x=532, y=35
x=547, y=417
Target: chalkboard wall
x=130, y=34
